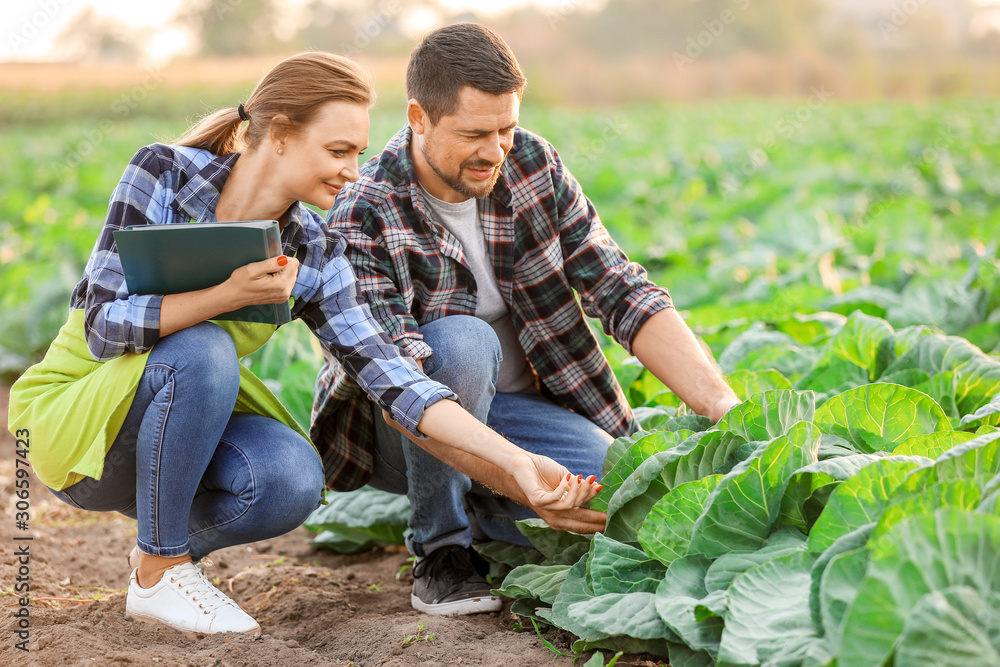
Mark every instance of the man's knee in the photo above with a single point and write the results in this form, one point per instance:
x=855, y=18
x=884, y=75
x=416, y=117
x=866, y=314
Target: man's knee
x=599, y=452
x=466, y=352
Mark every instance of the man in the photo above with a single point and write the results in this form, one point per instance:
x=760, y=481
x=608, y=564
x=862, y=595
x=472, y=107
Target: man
x=471, y=241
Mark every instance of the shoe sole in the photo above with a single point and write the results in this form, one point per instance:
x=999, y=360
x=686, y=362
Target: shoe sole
x=190, y=634
x=482, y=605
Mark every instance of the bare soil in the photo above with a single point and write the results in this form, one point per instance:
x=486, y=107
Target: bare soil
x=315, y=607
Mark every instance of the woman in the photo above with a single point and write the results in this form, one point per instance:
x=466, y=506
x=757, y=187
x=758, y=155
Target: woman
x=141, y=405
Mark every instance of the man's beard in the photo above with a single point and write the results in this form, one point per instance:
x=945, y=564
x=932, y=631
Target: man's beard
x=460, y=186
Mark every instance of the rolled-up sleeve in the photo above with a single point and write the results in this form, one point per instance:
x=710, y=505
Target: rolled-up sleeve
x=343, y=322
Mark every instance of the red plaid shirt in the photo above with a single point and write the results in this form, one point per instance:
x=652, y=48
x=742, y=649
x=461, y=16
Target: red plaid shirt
x=547, y=246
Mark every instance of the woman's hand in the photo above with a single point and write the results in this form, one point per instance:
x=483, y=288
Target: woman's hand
x=269, y=281
x=556, y=495
x=550, y=486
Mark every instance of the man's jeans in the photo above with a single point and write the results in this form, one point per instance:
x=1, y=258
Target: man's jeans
x=196, y=475
x=467, y=359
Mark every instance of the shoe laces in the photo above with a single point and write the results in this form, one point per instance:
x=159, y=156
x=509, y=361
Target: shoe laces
x=193, y=582
x=452, y=561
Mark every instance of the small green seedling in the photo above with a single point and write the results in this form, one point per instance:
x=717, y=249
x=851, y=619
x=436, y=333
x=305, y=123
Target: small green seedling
x=421, y=635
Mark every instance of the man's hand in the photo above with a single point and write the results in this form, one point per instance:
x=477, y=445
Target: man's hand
x=721, y=407
x=578, y=520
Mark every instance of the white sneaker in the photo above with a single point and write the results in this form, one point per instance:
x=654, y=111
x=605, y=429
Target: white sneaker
x=184, y=599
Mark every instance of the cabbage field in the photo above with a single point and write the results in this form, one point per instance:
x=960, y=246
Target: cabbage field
x=840, y=262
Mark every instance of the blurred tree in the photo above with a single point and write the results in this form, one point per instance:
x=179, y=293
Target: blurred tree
x=778, y=25
x=91, y=36
x=353, y=27
x=231, y=27
x=372, y=27
x=625, y=27
x=327, y=24
x=988, y=44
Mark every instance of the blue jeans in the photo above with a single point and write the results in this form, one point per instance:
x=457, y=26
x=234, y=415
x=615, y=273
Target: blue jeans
x=196, y=475
x=467, y=359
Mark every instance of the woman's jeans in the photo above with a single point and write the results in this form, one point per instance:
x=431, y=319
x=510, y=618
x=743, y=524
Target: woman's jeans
x=197, y=476
x=467, y=359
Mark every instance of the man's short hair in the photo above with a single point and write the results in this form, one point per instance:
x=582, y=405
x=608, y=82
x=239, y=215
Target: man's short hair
x=459, y=55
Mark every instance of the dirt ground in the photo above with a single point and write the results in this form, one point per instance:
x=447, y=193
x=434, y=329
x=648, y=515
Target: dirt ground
x=315, y=607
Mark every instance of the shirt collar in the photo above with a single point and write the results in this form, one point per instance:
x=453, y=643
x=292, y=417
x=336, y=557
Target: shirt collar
x=402, y=171
x=198, y=197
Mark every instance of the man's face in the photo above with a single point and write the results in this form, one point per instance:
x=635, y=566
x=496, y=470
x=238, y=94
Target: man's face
x=460, y=156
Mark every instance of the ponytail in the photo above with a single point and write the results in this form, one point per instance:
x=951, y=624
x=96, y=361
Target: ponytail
x=219, y=132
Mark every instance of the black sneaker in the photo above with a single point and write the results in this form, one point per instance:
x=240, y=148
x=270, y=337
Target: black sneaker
x=445, y=583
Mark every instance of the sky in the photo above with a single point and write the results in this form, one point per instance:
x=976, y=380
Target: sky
x=29, y=27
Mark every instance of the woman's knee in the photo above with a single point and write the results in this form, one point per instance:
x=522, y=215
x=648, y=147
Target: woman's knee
x=205, y=353
x=296, y=491
x=288, y=479
x=304, y=483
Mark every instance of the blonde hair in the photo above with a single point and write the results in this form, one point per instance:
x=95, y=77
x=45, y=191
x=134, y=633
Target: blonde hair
x=296, y=87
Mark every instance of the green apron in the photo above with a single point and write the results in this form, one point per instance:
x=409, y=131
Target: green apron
x=72, y=406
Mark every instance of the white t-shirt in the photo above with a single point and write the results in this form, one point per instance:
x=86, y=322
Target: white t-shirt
x=462, y=220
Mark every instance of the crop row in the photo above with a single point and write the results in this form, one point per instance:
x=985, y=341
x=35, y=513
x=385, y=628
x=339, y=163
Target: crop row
x=844, y=515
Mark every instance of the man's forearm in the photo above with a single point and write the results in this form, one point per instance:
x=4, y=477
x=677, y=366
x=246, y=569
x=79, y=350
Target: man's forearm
x=666, y=346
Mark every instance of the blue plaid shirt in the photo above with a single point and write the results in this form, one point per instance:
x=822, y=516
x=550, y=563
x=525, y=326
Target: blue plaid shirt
x=174, y=184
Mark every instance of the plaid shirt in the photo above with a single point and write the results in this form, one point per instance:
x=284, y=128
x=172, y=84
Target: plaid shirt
x=546, y=244
x=173, y=184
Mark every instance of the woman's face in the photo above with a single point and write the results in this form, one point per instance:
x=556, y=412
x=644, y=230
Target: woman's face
x=320, y=158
